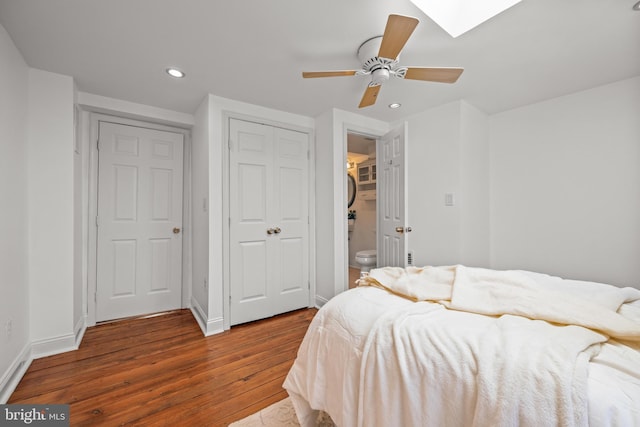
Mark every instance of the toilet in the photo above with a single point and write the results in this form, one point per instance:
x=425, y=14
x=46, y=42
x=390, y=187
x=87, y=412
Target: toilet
x=366, y=260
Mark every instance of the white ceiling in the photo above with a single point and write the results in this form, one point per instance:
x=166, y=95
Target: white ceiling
x=255, y=50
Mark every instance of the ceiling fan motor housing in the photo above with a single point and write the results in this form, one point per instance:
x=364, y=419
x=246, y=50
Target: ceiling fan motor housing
x=379, y=68
x=379, y=76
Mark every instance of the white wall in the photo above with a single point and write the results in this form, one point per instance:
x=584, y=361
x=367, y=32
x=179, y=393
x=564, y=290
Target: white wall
x=79, y=223
x=565, y=185
x=133, y=110
x=434, y=169
x=200, y=209
x=474, y=200
x=14, y=303
x=50, y=153
x=332, y=255
x=327, y=240
x=448, y=153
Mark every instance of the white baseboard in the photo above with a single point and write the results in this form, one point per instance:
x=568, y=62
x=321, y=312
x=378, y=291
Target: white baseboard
x=14, y=374
x=208, y=326
x=320, y=301
x=214, y=326
x=36, y=350
x=79, y=330
x=51, y=346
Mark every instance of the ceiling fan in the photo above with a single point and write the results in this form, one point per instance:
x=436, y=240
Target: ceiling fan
x=379, y=57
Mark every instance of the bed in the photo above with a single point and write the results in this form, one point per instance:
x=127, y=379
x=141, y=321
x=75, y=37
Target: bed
x=461, y=346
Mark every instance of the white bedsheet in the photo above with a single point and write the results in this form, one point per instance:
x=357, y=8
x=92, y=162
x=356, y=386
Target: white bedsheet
x=371, y=358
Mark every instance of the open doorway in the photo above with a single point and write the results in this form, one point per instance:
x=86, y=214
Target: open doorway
x=361, y=172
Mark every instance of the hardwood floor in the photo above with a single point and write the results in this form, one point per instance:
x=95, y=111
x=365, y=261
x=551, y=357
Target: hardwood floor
x=162, y=371
x=354, y=274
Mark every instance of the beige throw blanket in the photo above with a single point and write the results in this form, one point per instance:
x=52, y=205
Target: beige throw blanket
x=603, y=308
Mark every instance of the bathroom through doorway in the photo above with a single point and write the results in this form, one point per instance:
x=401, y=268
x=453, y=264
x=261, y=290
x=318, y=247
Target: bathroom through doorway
x=361, y=172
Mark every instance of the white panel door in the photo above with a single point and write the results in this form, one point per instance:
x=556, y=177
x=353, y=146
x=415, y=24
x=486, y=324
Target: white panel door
x=268, y=236
x=139, y=254
x=392, y=242
x=291, y=214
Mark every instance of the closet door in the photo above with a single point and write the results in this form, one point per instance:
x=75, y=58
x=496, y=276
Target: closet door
x=139, y=245
x=291, y=216
x=269, y=231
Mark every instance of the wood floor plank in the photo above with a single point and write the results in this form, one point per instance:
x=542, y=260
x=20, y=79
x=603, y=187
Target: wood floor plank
x=162, y=371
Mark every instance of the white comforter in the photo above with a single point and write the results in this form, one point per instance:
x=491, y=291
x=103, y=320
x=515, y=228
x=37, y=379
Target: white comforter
x=371, y=358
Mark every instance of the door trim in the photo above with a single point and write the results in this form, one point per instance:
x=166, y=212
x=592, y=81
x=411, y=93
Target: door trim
x=92, y=241
x=226, y=241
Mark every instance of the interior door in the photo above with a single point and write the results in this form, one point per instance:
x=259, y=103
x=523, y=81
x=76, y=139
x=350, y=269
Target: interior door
x=268, y=227
x=139, y=253
x=392, y=221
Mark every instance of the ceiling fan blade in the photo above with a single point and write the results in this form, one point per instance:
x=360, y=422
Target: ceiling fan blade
x=311, y=74
x=434, y=74
x=398, y=30
x=369, y=97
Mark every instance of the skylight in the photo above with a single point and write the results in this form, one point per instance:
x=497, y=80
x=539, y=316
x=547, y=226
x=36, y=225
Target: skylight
x=457, y=17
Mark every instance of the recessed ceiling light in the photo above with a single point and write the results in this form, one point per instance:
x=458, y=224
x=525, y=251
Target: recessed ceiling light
x=636, y=6
x=174, y=72
x=395, y=105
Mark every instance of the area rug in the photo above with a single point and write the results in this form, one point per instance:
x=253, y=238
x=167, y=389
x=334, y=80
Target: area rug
x=280, y=414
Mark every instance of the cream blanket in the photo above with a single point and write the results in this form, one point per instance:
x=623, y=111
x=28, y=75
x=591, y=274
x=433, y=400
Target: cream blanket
x=370, y=359
x=596, y=306
x=429, y=366
x=509, y=367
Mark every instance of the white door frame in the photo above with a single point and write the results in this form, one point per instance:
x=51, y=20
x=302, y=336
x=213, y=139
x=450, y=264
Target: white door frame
x=95, y=119
x=226, y=241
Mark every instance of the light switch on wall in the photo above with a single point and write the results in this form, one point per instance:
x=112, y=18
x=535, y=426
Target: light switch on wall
x=449, y=199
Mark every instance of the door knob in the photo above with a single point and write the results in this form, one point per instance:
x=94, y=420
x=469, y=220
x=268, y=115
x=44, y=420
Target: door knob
x=270, y=231
x=403, y=230
x=176, y=230
x=277, y=230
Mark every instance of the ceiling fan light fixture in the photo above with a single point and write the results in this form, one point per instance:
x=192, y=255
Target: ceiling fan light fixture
x=175, y=73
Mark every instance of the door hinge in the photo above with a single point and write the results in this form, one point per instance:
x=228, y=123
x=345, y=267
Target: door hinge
x=95, y=297
x=230, y=145
x=98, y=144
x=97, y=221
x=308, y=154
